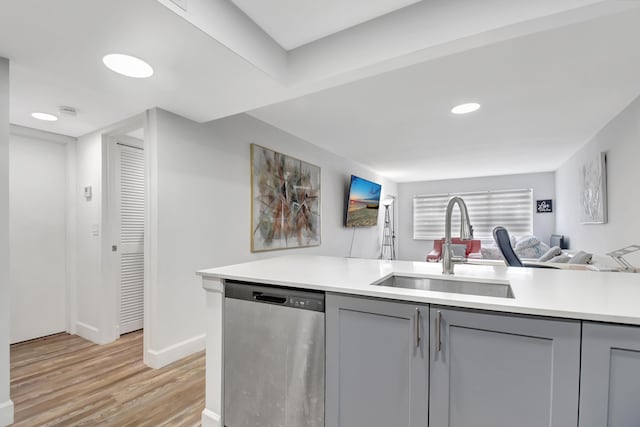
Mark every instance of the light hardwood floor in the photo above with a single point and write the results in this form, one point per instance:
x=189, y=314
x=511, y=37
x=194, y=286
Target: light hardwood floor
x=64, y=380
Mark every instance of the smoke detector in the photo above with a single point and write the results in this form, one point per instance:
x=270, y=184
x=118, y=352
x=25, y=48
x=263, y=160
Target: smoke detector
x=65, y=110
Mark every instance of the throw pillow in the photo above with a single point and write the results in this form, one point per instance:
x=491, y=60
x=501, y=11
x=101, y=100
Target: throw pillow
x=581, y=257
x=553, y=252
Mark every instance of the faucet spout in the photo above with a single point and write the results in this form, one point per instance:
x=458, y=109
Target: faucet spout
x=466, y=233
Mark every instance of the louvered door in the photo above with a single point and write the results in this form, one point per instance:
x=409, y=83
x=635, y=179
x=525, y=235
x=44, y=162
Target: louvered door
x=130, y=200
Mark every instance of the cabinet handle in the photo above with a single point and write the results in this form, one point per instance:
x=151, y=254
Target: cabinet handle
x=417, y=320
x=438, y=333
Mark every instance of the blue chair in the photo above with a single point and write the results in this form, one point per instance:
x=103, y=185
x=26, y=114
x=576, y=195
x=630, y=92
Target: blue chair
x=501, y=236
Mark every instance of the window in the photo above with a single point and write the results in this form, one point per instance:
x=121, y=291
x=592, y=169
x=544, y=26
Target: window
x=512, y=209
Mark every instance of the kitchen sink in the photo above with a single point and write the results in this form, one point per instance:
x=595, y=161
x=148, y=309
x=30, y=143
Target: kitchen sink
x=499, y=290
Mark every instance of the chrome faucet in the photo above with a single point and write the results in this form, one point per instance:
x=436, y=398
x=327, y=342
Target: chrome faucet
x=466, y=233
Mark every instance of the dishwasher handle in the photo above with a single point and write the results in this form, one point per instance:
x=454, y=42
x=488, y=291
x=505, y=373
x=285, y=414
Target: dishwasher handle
x=273, y=299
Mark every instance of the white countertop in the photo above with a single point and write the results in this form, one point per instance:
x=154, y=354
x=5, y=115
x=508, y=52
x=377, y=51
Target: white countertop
x=586, y=295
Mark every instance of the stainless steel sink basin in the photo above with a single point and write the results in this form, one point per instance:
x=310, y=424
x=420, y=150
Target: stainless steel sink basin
x=499, y=290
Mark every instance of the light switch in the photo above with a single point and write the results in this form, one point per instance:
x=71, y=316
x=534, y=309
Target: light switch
x=95, y=230
x=88, y=192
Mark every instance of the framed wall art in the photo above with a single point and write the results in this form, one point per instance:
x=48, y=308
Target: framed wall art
x=285, y=201
x=593, y=190
x=544, y=206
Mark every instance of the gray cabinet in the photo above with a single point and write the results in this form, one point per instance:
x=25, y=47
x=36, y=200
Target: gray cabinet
x=610, y=378
x=503, y=370
x=377, y=363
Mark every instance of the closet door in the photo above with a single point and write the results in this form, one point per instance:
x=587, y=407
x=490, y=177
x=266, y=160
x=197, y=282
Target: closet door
x=130, y=248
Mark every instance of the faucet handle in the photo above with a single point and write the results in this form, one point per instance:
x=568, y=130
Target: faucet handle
x=466, y=231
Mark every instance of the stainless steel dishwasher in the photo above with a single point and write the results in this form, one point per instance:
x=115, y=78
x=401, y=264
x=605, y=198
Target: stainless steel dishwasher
x=274, y=356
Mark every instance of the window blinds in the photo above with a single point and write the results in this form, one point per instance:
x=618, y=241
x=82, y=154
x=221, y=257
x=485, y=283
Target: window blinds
x=512, y=209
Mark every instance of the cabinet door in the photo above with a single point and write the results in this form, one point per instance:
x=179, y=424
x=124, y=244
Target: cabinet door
x=503, y=370
x=377, y=363
x=610, y=376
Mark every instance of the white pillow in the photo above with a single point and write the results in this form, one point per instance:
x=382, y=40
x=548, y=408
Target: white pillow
x=530, y=247
x=490, y=252
x=527, y=242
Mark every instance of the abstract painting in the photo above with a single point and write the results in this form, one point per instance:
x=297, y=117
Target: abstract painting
x=285, y=201
x=593, y=190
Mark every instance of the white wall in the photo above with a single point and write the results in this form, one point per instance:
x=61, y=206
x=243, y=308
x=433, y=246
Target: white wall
x=200, y=215
x=38, y=233
x=88, y=288
x=6, y=407
x=620, y=139
x=94, y=307
x=543, y=185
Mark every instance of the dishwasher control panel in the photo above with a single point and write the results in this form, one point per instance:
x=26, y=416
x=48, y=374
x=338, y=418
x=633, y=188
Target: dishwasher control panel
x=309, y=304
x=276, y=295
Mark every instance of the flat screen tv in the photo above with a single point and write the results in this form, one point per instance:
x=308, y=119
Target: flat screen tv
x=364, y=201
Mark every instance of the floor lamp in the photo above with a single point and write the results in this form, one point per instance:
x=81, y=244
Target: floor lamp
x=388, y=250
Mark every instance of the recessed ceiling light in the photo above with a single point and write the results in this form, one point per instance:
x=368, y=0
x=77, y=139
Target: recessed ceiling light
x=44, y=116
x=465, y=108
x=127, y=65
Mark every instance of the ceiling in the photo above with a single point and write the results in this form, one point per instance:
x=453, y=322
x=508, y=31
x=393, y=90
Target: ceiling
x=543, y=96
x=56, y=50
x=372, y=82
x=293, y=23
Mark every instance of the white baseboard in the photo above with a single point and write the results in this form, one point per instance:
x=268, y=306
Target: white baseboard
x=88, y=332
x=159, y=358
x=210, y=419
x=6, y=413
